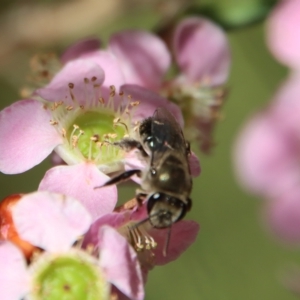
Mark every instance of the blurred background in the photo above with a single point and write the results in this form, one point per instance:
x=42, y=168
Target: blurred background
x=234, y=257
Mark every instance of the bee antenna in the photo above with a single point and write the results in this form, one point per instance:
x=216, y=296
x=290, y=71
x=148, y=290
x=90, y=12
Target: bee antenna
x=167, y=242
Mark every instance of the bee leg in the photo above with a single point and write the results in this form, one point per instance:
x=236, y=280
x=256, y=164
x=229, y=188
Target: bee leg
x=128, y=144
x=122, y=177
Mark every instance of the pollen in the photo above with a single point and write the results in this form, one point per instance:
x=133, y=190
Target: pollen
x=135, y=103
x=52, y=122
x=90, y=127
x=140, y=239
x=101, y=100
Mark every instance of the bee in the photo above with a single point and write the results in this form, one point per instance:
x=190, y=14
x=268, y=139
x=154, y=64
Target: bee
x=166, y=183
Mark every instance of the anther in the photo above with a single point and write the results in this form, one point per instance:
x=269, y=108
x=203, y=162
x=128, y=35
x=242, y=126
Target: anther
x=69, y=107
x=140, y=239
x=52, y=122
x=71, y=86
x=112, y=90
x=63, y=132
x=112, y=135
x=75, y=138
x=101, y=100
x=135, y=103
x=96, y=138
x=86, y=80
x=94, y=78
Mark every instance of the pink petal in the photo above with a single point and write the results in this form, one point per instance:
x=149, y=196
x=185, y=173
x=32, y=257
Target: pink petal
x=113, y=219
x=111, y=66
x=283, y=33
x=149, y=102
x=14, y=280
x=285, y=108
x=194, y=164
x=50, y=221
x=26, y=136
x=202, y=50
x=80, y=48
x=74, y=72
x=143, y=57
x=120, y=264
x=282, y=216
x=183, y=235
x=79, y=182
x=56, y=160
x=265, y=158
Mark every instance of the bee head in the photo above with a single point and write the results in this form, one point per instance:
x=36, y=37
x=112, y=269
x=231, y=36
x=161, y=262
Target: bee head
x=164, y=210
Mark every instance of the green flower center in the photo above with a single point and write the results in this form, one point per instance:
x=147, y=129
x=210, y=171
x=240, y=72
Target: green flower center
x=90, y=131
x=94, y=133
x=69, y=278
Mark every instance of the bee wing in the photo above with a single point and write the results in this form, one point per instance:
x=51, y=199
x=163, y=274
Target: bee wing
x=167, y=131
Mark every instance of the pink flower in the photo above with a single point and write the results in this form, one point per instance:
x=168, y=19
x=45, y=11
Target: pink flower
x=149, y=242
x=202, y=54
x=75, y=121
x=267, y=159
x=268, y=148
x=58, y=223
x=283, y=33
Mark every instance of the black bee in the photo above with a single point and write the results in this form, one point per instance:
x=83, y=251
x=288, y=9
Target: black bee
x=166, y=183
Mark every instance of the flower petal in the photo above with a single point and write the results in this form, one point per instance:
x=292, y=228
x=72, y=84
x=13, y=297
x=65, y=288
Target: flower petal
x=183, y=235
x=50, y=221
x=286, y=105
x=111, y=66
x=283, y=33
x=26, y=136
x=80, y=48
x=202, y=50
x=14, y=280
x=113, y=219
x=77, y=72
x=79, y=181
x=282, y=216
x=149, y=102
x=120, y=264
x=266, y=158
x=143, y=57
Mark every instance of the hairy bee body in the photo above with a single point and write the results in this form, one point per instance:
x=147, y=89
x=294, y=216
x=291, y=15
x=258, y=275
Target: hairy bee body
x=166, y=183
